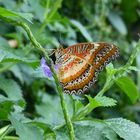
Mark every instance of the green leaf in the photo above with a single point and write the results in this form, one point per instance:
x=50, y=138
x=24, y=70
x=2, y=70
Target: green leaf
x=49, y=111
x=38, y=73
x=105, y=101
x=5, y=107
x=54, y=9
x=4, y=131
x=11, y=88
x=36, y=7
x=78, y=105
x=117, y=22
x=82, y=29
x=124, y=128
x=88, y=130
x=48, y=132
x=3, y=42
x=102, y=130
x=110, y=70
x=130, y=13
x=10, y=55
x=17, y=73
x=8, y=4
x=128, y=87
x=94, y=103
x=26, y=131
x=15, y=16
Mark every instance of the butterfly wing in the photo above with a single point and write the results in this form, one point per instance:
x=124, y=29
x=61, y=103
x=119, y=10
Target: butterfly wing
x=81, y=64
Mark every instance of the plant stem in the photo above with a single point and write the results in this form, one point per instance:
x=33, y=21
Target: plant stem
x=10, y=138
x=59, y=88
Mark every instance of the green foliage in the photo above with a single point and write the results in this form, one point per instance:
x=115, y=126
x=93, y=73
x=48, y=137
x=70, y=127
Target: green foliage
x=50, y=110
x=5, y=107
x=124, y=128
x=106, y=101
x=102, y=130
x=29, y=105
x=129, y=88
x=81, y=29
x=11, y=88
x=26, y=131
x=93, y=103
x=9, y=55
x=117, y=22
x=88, y=129
x=14, y=15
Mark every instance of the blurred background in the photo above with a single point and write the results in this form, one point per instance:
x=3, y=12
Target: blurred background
x=115, y=21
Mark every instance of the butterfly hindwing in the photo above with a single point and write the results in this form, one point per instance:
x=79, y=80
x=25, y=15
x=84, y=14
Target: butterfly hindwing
x=80, y=64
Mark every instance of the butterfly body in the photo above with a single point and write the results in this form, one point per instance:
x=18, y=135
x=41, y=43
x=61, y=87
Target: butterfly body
x=80, y=64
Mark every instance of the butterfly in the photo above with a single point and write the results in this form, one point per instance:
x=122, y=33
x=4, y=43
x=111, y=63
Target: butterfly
x=80, y=64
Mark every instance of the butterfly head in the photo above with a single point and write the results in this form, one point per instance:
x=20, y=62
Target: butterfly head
x=59, y=54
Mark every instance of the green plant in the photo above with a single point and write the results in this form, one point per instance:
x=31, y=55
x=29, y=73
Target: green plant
x=49, y=120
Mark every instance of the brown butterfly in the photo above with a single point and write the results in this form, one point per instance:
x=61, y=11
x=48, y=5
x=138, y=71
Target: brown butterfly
x=80, y=64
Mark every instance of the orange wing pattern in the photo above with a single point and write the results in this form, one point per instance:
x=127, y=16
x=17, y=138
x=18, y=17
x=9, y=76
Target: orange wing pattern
x=80, y=64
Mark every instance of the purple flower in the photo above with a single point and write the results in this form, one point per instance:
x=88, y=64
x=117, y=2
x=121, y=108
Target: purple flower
x=56, y=67
x=46, y=68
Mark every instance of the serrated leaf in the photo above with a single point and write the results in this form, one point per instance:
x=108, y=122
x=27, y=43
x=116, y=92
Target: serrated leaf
x=83, y=111
x=94, y=103
x=105, y=101
x=26, y=131
x=82, y=29
x=117, y=22
x=88, y=130
x=11, y=88
x=10, y=55
x=128, y=87
x=124, y=128
x=15, y=15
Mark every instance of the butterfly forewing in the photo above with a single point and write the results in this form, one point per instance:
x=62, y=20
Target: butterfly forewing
x=80, y=64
